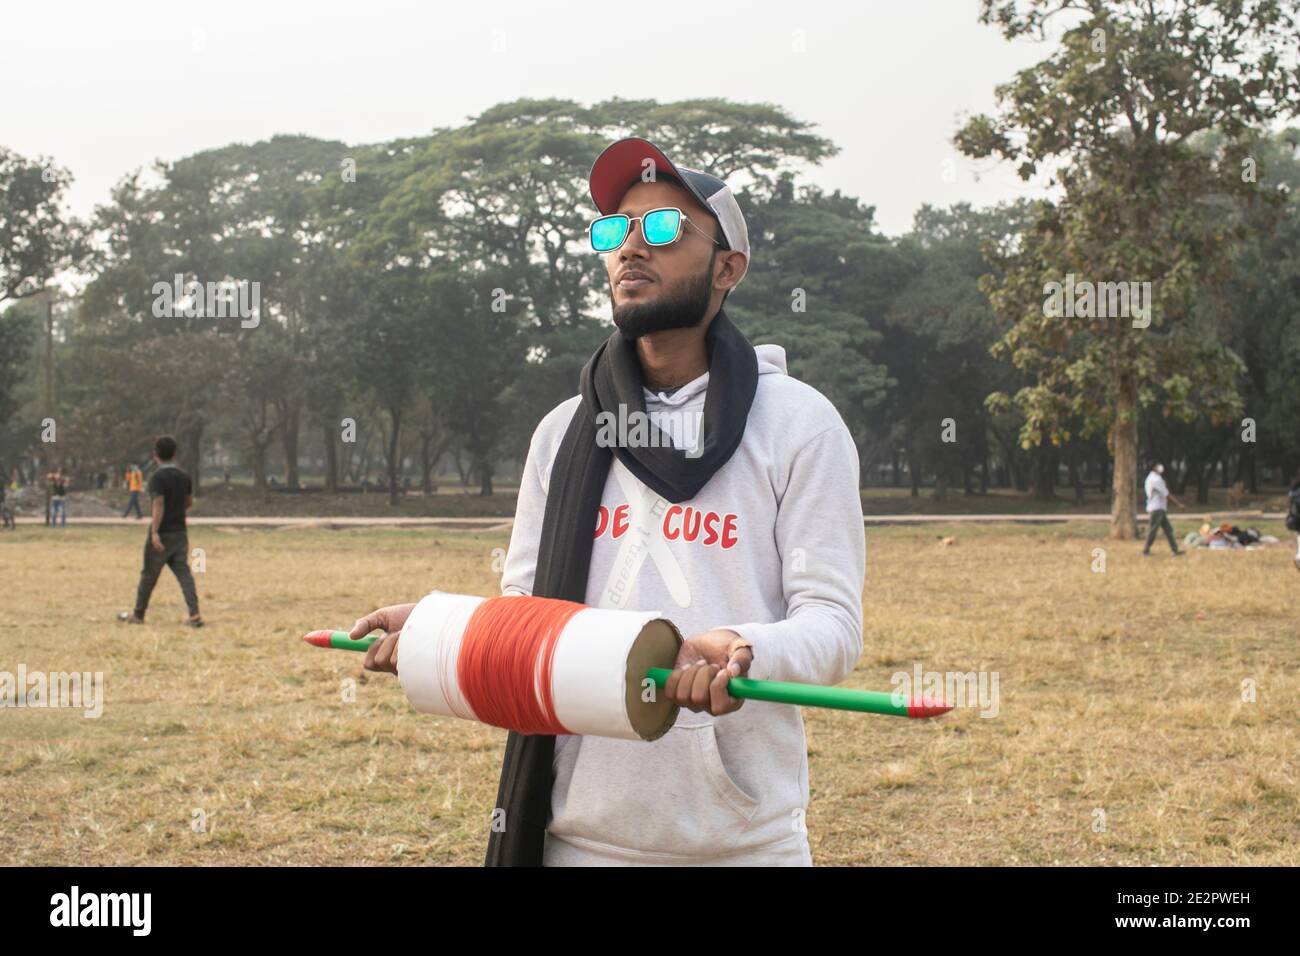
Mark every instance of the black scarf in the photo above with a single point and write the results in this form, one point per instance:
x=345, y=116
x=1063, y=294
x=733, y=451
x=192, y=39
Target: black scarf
x=612, y=377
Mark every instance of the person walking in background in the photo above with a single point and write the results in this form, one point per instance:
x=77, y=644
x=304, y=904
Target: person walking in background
x=6, y=513
x=171, y=495
x=1158, y=496
x=134, y=484
x=59, y=498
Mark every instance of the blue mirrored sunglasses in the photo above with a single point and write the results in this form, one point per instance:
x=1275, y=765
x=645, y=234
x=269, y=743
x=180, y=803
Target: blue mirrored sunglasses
x=659, y=227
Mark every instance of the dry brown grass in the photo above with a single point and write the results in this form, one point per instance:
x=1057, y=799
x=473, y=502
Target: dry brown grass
x=1119, y=691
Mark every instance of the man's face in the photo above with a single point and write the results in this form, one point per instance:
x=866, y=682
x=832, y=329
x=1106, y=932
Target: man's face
x=654, y=288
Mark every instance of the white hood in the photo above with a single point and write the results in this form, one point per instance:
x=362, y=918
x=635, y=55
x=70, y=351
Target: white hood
x=771, y=358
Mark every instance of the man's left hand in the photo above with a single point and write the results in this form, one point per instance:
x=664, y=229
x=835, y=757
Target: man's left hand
x=704, y=664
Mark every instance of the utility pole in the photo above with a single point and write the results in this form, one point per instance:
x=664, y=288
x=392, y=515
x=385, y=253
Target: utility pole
x=49, y=382
x=49, y=353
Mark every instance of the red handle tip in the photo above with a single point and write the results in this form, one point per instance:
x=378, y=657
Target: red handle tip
x=926, y=707
x=318, y=638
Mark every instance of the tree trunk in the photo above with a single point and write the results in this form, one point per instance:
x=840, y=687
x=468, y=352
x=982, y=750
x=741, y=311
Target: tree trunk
x=913, y=465
x=426, y=466
x=331, y=460
x=289, y=425
x=363, y=465
x=1203, y=476
x=1044, y=487
x=1076, y=479
x=484, y=468
x=193, y=439
x=394, y=446
x=259, y=465
x=1123, y=492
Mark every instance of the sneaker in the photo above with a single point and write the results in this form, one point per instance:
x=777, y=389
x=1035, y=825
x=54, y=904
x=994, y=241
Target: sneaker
x=128, y=617
x=194, y=621
x=1146, y=554
x=1179, y=554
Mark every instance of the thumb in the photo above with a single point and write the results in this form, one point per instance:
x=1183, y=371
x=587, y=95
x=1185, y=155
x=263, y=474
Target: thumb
x=365, y=625
x=739, y=661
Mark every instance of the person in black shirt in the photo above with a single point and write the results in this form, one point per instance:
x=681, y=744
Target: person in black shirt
x=59, y=498
x=171, y=494
x=6, y=513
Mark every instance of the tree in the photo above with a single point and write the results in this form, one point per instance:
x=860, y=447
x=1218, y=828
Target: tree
x=238, y=214
x=17, y=336
x=817, y=282
x=938, y=331
x=1111, y=114
x=1257, y=310
x=36, y=240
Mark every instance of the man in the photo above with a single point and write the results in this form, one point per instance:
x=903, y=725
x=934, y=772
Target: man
x=747, y=534
x=134, y=484
x=6, y=513
x=59, y=498
x=168, y=544
x=1158, y=497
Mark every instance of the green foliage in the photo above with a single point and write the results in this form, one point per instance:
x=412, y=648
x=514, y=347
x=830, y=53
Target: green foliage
x=36, y=238
x=1111, y=115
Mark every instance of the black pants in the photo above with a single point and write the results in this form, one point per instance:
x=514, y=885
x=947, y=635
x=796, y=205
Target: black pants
x=175, y=555
x=1160, y=519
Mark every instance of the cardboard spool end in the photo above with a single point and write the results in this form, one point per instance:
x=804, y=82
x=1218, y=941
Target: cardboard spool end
x=655, y=646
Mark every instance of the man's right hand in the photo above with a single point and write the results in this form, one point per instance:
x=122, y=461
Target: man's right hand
x=382, y=655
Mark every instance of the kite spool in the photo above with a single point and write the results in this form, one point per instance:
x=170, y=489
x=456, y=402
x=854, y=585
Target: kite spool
x=589, y=677
x=543, y=666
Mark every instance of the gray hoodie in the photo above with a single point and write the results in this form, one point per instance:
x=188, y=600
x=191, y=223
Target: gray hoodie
x=772, y=548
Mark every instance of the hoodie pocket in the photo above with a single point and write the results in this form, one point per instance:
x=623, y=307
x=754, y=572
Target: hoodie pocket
x=706, y=739
x=673, y=795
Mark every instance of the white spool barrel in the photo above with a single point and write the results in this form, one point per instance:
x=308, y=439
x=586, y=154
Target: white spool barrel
x=600, y=663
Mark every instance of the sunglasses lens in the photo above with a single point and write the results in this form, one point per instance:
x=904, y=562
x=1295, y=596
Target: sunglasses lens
x=661, y=226
x=608, y=233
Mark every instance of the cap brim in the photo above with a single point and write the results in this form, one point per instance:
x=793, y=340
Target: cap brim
x=622, y=164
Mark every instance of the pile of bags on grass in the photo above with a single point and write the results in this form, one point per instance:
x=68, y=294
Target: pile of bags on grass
x=1227, y=537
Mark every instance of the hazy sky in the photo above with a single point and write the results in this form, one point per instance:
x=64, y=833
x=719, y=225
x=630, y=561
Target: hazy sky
x=105, y=88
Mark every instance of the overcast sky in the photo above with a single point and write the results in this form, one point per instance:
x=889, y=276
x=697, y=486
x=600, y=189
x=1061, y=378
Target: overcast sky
x=105, y=88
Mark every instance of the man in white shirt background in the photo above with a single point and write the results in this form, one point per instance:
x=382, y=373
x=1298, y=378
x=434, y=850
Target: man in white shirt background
x=1158, y=498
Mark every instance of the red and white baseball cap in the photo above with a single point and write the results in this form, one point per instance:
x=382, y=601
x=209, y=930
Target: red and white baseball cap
x=624, y=163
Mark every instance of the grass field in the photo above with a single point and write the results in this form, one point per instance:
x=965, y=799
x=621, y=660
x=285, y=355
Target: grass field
x=1121, y=737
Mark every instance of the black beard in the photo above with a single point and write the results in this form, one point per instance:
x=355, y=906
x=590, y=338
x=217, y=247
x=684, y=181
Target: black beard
x=681, y=308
